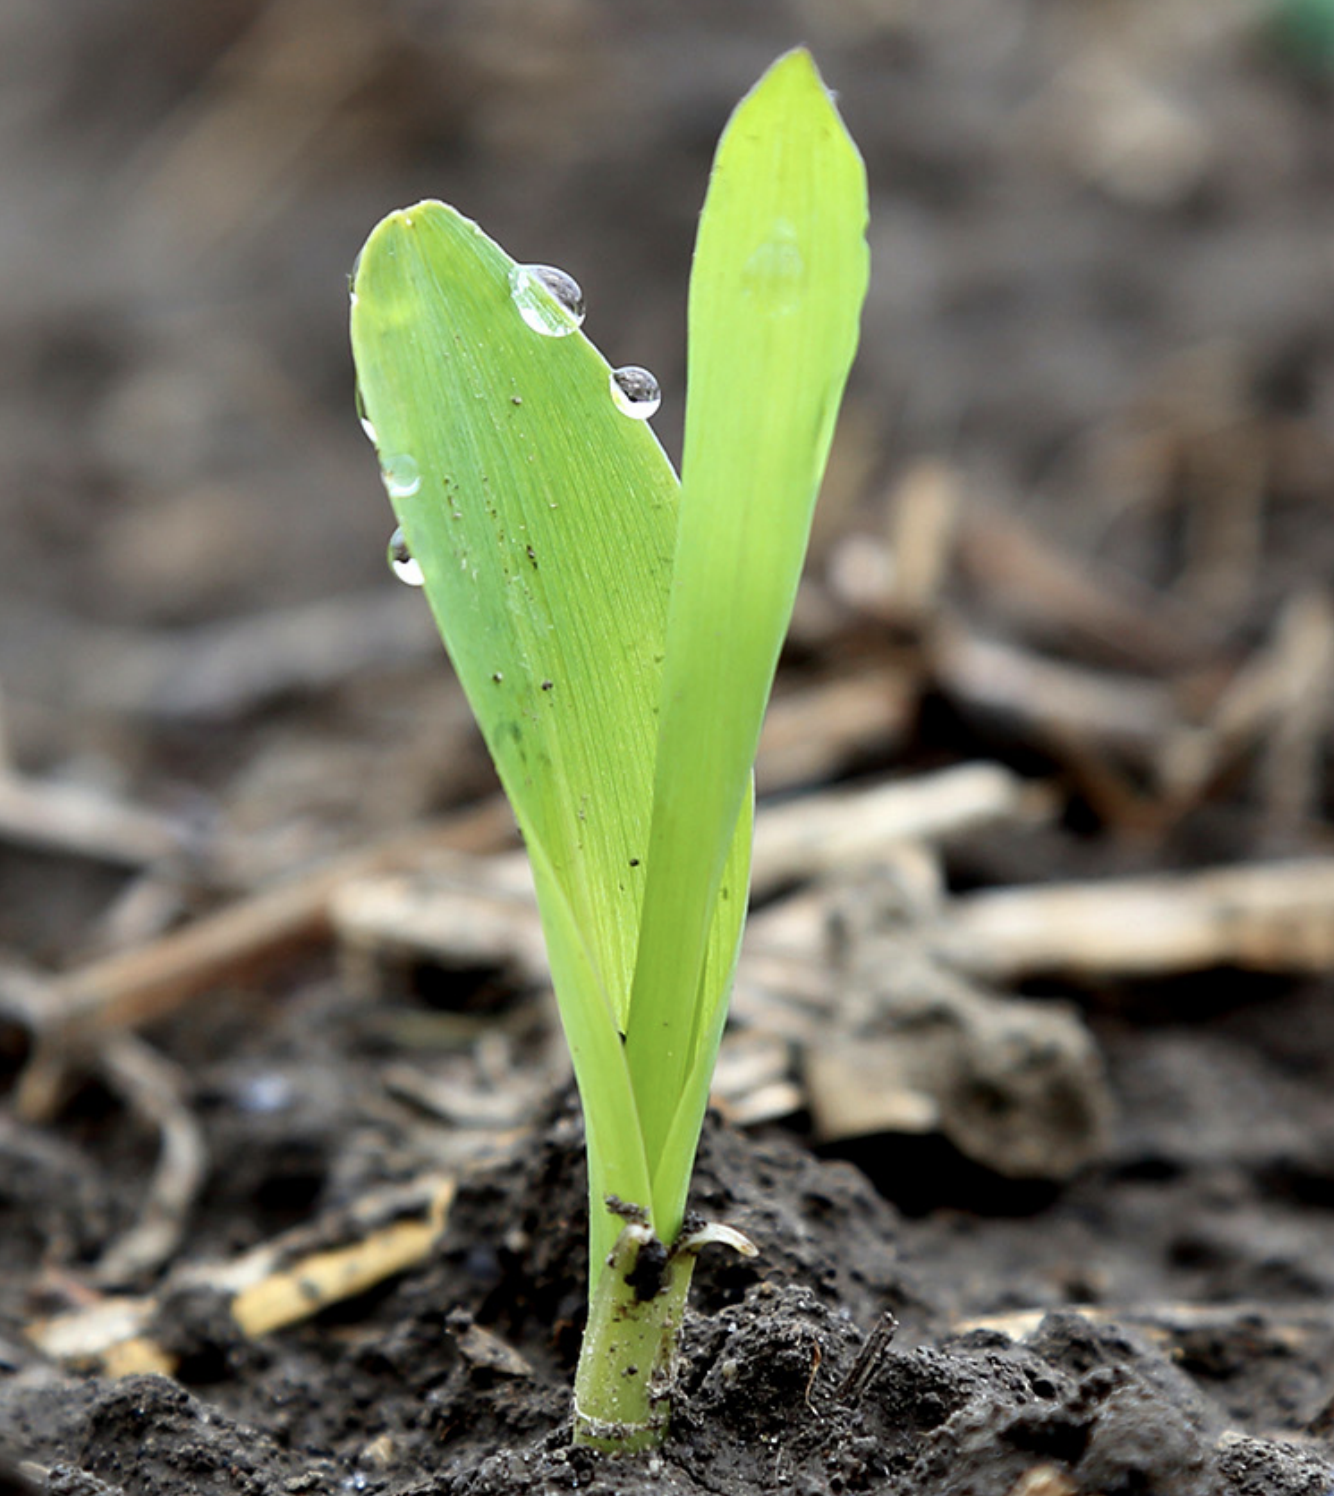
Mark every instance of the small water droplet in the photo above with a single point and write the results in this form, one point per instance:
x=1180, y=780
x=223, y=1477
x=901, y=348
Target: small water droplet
x=400, y=476
x=775, y=272
x=549, y=301
x=402, y=562
x=635, y=392
x=270, y=1091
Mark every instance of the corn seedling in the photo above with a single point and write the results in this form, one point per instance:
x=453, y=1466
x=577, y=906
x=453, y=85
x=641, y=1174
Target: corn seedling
x=617, y=633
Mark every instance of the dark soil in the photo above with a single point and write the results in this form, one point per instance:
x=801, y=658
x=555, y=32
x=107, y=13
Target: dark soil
x=396, y=1392
x=1087, y=222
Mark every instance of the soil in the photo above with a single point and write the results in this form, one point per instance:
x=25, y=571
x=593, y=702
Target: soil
x=1102, y=296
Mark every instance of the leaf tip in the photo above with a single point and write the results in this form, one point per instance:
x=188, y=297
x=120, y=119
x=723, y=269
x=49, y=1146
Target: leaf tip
x=795, y=69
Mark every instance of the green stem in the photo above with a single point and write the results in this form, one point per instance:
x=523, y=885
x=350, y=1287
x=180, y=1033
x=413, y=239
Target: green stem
x=627, y=1363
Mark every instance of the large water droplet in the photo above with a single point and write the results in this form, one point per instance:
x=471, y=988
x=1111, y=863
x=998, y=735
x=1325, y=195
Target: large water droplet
x=400, y=476
x=635, y=392
x=402, y=562
x=549, y=301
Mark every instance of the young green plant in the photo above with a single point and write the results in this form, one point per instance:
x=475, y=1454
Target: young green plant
x=617, y=633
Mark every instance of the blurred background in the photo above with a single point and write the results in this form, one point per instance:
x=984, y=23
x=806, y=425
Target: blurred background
x=1088, y=446
x=1069, y=593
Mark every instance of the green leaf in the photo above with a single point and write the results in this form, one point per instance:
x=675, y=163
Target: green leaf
x=618, y=662
x=618, y=646
x=544, y=521
x=779, y=278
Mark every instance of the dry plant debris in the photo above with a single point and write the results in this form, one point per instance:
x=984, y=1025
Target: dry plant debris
x=280, y=1283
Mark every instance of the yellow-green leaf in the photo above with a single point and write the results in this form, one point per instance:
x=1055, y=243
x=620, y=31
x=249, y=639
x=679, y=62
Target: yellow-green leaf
x=776, y=291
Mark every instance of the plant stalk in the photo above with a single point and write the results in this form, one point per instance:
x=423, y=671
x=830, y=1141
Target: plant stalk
x=627, y=1363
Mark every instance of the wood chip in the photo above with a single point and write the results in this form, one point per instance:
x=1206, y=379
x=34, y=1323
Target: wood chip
x=463, y=912
x=1044, y=591
x=290, y=1295
x=1275, y=917
x=814, y=731
x=1279, y=704
x=1290, y=1326
x=1016, y=1086
x=1044, y=1480
x=841, y=829
x=857, y=1090
x=1050, y=699
x=923, y=521
x=85, y=822
x=484, y=1350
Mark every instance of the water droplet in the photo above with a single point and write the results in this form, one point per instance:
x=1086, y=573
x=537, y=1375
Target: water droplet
x=402, y=562
x=365, y=420
x=400, y=476
x=635, y=392
x=270, y=1091
x=775, y=272
x=549, y=301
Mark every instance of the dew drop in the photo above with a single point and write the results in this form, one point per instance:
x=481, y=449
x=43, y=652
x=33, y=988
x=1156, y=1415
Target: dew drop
x=549, y=301
x=267, y=1092
x=402, y=562
x=775, y=273
x=635, y=392
x=400, y=476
